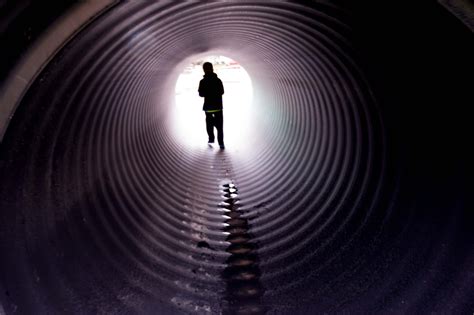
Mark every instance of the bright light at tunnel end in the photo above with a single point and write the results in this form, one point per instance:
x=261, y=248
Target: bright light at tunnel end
x=188, y=118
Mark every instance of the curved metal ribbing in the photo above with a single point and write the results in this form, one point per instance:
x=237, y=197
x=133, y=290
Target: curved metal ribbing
x=110, y=213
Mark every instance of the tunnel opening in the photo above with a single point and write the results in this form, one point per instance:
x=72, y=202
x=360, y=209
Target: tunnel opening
x=239, y=122
x=345, y=201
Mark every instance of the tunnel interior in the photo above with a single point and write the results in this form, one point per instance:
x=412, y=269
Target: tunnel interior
x=348, y=194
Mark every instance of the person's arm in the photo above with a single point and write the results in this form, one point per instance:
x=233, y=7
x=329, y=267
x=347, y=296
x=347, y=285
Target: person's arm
x=201, y=89
x=221, y=87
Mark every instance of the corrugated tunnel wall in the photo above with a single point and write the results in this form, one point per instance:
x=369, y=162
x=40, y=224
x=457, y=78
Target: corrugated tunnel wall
x=349, y=196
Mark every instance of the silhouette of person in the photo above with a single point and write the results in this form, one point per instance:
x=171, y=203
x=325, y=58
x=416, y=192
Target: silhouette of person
x=211, y=88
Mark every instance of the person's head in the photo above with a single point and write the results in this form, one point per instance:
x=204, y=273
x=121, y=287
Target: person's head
x=207, y=67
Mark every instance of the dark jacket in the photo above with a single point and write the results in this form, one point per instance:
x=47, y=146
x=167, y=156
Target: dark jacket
x=211, y=89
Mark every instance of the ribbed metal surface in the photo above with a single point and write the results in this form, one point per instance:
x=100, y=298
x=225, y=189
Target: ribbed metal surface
x=110, y=213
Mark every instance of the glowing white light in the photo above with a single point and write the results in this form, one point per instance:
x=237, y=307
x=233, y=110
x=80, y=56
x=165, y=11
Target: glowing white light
x=188, y=116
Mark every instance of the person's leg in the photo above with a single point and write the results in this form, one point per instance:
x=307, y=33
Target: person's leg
x=210, y=127
x=219, y=120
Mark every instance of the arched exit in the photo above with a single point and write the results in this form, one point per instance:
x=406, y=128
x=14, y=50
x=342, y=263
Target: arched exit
x=188, y=118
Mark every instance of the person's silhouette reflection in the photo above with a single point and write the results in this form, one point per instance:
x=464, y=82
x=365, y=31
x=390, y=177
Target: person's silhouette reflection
x=211, y=89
